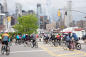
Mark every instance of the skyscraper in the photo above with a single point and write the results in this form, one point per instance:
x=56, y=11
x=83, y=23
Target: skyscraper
x=68, y=14
x=5, y=6
x=39, y=10
x=18, y=9
x=39, y=13
x=1, y=16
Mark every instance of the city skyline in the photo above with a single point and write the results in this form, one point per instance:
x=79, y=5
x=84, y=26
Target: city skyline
x=54, y=6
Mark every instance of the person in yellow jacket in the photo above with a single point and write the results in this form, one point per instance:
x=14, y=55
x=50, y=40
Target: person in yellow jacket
x=5, y=38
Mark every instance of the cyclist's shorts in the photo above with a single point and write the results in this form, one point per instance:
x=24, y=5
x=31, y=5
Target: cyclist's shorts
x=5, y=42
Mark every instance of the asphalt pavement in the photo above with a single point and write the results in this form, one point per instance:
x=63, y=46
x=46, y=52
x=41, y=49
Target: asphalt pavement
x=44, y=50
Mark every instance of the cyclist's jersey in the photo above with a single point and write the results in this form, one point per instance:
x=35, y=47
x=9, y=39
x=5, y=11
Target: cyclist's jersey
x=75, y=37
x=24, y=36
x=58, y=37
x=33, y=37
x=5, y=37
x=67, y=38
x=17, y=37
x=37, y=36
x=9, y=40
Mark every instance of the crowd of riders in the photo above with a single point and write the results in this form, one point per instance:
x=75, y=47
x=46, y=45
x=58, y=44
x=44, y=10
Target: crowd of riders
x=19, y=38
x=23, y=38
x=68, y=37
x=5, y=38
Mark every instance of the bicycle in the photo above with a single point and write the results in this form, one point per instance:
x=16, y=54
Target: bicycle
x=6, y=49
x=34, y=44
x=74, y=45
x=65, y=45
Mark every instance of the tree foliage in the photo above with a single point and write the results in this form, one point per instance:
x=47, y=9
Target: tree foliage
x=27, y=24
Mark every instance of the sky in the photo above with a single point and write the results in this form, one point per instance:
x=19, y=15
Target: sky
x=50, y=7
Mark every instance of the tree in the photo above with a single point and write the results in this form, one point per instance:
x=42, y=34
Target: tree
x=27, y=24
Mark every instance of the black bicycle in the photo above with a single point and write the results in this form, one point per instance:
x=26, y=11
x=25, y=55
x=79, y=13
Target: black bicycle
x=6, y=49
x=34, y=43
x=78, y=46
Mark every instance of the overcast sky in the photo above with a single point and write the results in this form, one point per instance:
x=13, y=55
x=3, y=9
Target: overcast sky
x=53, y=7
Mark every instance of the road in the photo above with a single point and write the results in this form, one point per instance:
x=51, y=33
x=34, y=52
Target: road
x=44, y=50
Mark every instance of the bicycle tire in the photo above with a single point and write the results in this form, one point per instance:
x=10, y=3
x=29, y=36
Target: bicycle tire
x=8, y=50
x=78, y=46
x=2, y=51
x=36, y=45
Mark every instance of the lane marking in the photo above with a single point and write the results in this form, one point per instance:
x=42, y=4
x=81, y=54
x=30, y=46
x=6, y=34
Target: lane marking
x=84, y=53
x=53, y=54
x=50, y=52
x=28, y=51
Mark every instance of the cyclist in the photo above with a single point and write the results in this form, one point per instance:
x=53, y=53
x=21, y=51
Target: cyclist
x=52, y=38
x=33, y=36
x=67, y=39
x=46, y=38
x=27, y=38
x=75, y=37
x=5, y=38
x=59, y=39
x=24, y=38
x=17, y=38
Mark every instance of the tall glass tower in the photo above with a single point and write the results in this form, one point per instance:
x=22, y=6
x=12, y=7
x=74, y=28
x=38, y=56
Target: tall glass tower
x=1, y=17
x=39, y=12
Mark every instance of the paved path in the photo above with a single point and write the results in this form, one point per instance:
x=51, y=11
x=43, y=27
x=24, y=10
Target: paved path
x=44, y=50
x=60, y=52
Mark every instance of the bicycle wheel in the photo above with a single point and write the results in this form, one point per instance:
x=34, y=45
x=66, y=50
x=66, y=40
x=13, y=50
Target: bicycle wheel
x=36, y=45
x=51, y=43
x=78, y=46
x=8, y=50
x=65, y=45
x=32, y=44
x=2, y=50
x=27, y=43
x=55, y=43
